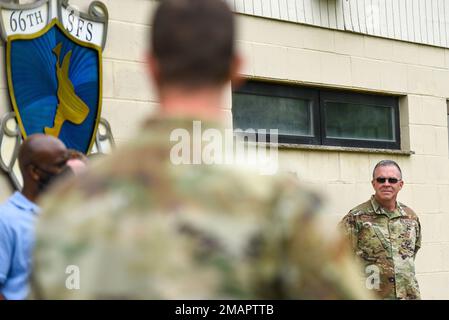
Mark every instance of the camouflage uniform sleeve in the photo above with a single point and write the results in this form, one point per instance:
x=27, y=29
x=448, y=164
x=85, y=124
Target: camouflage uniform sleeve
x=418, y=236
x=348, y=226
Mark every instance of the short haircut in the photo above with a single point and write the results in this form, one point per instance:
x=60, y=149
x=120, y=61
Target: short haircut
x=386, y=163
x=193, y=42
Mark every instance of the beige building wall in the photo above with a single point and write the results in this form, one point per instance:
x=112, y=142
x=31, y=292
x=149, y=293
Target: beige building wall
x=302, y=54
x=290, y=52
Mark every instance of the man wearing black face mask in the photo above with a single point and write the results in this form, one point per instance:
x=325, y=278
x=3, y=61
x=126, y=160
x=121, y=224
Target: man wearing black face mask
x=41, y=159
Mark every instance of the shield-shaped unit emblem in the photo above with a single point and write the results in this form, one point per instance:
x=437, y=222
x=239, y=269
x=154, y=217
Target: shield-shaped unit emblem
x=54, y=81
x=54, y=73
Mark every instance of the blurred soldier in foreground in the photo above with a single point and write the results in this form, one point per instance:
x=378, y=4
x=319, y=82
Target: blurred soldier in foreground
x=41, y=159
x=139, y=226
x=386, y=235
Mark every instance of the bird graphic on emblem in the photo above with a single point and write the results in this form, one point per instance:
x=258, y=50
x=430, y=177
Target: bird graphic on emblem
x=70, y=107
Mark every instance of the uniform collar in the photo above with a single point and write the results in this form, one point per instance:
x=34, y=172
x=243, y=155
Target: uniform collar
x=378, y=209
x=20, y=201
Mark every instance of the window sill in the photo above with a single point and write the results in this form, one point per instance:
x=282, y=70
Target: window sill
x=341, y=149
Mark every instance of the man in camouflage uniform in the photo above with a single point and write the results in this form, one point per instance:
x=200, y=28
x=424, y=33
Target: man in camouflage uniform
x=139, y=226
x=386, y=235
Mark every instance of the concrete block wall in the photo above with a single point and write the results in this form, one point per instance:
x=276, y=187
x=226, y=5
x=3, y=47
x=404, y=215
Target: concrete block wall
x=302, y=54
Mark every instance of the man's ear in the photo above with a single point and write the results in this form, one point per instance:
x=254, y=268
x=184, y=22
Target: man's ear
x=235, y=72
x=32, y=172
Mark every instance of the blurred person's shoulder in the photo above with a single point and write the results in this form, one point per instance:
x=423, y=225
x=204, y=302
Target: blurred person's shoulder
x=11, y=206
x=141, y=173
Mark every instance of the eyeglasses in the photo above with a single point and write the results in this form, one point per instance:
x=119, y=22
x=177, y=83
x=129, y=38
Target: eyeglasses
x=390, y=180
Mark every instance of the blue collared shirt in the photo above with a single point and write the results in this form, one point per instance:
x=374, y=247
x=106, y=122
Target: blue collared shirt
x=17, y=222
